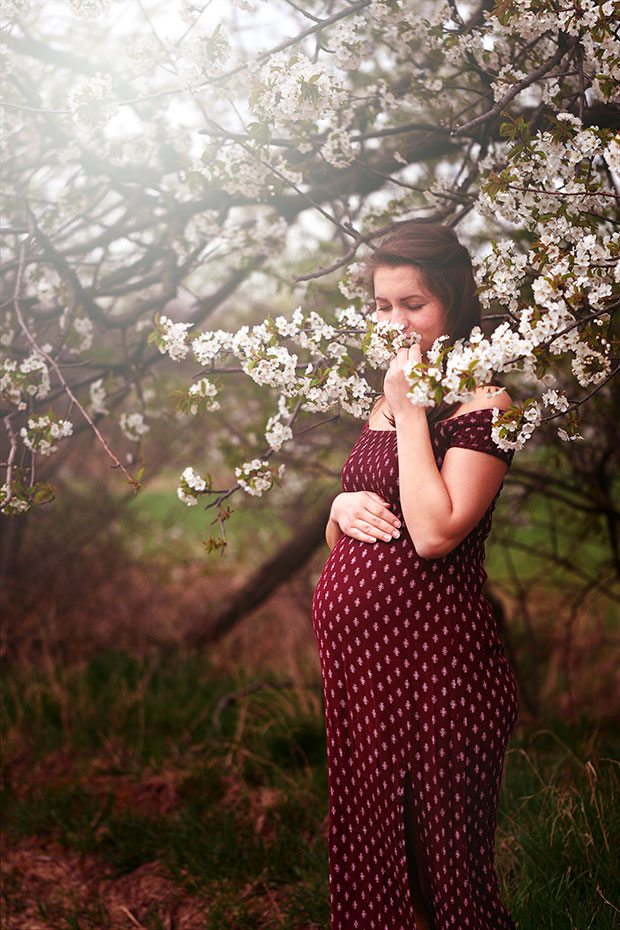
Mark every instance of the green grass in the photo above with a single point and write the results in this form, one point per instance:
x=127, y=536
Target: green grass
x=245, y=833
x=161, y=526
x=558, y=830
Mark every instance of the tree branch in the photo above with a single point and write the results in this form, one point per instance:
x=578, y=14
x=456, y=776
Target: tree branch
x=516, y=89
x=60, y=376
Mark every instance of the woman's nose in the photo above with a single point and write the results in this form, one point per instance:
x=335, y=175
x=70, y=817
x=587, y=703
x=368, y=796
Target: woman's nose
x=399, y=316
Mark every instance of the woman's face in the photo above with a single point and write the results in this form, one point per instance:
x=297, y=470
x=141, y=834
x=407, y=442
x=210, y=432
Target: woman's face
x=400, y=297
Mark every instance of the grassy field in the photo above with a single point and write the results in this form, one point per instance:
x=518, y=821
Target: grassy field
x=152, y=793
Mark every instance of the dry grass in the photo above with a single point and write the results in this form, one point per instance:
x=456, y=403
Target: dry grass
x=59, y=886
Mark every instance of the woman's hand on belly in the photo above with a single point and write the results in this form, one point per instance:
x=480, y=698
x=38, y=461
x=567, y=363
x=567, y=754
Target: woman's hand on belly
x=364, y=515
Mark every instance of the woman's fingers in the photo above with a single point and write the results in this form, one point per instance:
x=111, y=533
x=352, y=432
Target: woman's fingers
x=383, y=510
x=415, y=353
x=372, y=535
x=376, y=526
x=363, y=537
x=382, y=523
x=366, y=516
x=383, y=519
x=377, y=520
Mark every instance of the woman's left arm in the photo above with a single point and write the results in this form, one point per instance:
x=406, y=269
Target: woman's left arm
x=440, y=508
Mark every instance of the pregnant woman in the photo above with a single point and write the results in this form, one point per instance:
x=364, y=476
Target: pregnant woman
x=419, y=699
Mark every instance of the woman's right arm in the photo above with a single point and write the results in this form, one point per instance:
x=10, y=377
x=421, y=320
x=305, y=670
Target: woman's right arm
x=362, y=515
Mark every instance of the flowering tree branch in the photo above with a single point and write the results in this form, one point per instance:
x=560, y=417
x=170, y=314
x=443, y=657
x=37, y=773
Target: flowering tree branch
x=145, y=224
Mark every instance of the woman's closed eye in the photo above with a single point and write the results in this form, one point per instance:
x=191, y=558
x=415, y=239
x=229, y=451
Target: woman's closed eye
x=405, y=307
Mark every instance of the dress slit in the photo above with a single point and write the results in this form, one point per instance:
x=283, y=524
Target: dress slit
x=417, y=866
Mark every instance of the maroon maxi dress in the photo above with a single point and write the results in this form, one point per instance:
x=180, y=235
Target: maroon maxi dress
x=416, y=687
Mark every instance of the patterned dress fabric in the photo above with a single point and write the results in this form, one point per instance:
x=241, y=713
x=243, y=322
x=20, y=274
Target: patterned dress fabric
x=416, y=687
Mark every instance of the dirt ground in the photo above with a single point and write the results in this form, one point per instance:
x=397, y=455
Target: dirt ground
x=55, y=875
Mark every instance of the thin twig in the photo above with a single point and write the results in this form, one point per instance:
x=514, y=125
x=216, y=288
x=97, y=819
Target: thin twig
x=315, y=19
x=536, y=190
x=511, y=94
x=321, y=24
x=598, y=890
x=359, y=240
x=134, y=921
x=54, y=365
x=332, y=219
x=574, y=405
x=10, y=460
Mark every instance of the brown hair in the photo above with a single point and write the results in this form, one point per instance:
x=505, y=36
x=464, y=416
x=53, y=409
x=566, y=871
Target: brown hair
x=447, y=273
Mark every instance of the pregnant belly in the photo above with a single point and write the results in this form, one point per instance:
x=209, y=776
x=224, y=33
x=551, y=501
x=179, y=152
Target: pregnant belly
x=360, y=576
x=386, y=584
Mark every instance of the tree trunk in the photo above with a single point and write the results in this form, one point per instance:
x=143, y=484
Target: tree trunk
x=287, y=561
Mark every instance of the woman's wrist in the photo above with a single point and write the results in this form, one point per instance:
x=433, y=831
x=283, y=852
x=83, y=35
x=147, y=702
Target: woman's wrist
x=409, y=414
x=332, y=532
x=333, y=523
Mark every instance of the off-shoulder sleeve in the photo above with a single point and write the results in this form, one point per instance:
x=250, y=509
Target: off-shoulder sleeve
x=473, y=431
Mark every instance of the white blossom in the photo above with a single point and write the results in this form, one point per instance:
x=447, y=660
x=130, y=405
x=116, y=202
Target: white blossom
x=511, y=429
x=555, y=400
x=29, y=378
x=192, y=485
x=565, y=437
x=15, y=505
x=85, y=332
x=193, y=480
x=205, y=391
x=277, y=433
x=383, y=342
x=338, y=149
x=40, y=432
x=174, y=338
x=92, y=103
x=207, y=346
x=295, y=88
x=257, y=476
x=97, y=398
x=612, y=155
x=347, y=42
x=133, y=425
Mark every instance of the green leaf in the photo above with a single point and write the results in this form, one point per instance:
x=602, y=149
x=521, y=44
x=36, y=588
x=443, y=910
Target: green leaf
x=214, y=543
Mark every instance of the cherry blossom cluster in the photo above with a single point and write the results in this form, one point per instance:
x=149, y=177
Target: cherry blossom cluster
x=172, y=337
x=258, y=476
x=93, y=103
x=292, y=88
x=41, y=433
x=201, y=396
x=324, y=377
x=521, y=157
x=320, y=376
x=97, y=398
x=133, y=425
x=191, y=487
x=15, y=502
x=28, y=379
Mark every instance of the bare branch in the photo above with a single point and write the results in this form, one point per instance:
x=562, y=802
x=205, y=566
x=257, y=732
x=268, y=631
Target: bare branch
x=516, y=89
x=59, y=374
x=10, y=461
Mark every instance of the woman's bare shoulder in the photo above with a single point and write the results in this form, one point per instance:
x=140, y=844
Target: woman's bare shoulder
x=490, y=395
